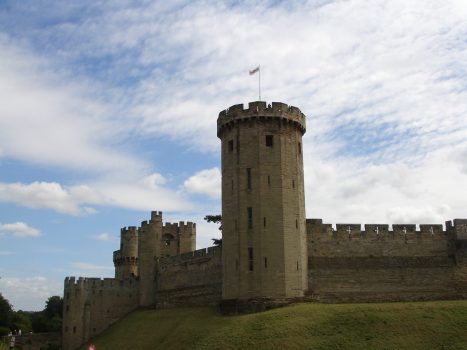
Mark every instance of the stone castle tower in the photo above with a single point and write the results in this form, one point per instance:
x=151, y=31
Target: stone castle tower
x=126, y=259
x=264, y=251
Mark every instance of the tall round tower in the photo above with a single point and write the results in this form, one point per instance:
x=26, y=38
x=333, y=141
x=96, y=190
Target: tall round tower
x=263, y=201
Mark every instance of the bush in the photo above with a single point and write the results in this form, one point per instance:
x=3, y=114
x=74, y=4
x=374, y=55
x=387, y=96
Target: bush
x=4, y=331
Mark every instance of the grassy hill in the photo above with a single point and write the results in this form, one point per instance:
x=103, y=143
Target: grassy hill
x=411, y=326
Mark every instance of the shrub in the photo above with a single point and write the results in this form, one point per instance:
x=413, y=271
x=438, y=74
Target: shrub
x=4, y=331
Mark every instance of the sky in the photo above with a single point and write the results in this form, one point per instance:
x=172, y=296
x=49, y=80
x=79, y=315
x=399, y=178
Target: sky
x=108, y=110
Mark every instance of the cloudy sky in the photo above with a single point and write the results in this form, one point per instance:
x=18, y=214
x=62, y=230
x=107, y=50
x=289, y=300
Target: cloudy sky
x=108, y=111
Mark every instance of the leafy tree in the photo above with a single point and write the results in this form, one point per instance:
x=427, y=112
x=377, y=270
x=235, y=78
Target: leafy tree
x=39, y=322
x=6, y=312
x=216, y=219
x=22, y=320
x=217, y=241
x=54, y=307
x=49, y=319
x=54, y=324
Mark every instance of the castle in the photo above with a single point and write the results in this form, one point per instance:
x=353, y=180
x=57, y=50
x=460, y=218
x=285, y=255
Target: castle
x=270, y=253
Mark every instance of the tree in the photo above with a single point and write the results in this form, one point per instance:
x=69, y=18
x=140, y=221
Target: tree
x=216, y=219
x=6, y=312
x=49, y=319
x=54, y=307
x=22, y=320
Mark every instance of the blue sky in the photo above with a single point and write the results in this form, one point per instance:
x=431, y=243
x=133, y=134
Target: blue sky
x=108, y=111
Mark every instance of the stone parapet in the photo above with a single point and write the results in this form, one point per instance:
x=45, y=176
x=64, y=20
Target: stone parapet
x=262, y=112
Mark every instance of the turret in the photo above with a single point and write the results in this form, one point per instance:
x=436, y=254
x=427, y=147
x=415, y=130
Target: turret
x=126, y=259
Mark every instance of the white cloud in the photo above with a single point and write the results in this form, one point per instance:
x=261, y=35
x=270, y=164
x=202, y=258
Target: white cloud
x=103, y=237
x=146, y=194
x=19, y=229
x=90, y=267
x=154, y=181
x=54, y=118
x=430, y=191
x=358, y=61
x=383, y=85
x=43, y=195
x=29, y=293
x=81, y=268
x=206, y=182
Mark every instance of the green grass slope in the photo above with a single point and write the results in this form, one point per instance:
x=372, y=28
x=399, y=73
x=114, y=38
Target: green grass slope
x=411, y=326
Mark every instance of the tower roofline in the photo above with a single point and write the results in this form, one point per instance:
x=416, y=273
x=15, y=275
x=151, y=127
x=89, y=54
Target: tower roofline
x=260, y=110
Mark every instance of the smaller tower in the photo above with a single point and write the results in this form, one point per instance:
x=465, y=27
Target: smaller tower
x=149, y=247
x=126, y=259
x=187, y=237
x=178, y=238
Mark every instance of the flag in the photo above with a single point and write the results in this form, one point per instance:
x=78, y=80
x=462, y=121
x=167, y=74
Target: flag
x=253, y=71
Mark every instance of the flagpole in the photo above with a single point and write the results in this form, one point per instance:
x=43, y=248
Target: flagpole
x=259, y=82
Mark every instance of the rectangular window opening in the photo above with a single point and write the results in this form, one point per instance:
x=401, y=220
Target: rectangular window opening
x=299, y=148
x=248, y=176
x=296, y=223
x=297, y=265
x=265, y=262
x=250, y=217
x=250, y=259
x=231, y=146
x=269, y=180
x=264, y=221
x=269, y=141
x=293, y=183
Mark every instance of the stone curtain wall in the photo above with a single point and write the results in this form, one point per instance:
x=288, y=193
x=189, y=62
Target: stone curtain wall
x=190, y=279
x=90, y=305
x=377, y=264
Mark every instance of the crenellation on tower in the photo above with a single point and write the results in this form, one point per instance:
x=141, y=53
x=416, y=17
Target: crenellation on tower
x=277, y=113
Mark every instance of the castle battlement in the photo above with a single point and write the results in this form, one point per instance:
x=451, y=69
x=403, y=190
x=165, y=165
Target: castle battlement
x=180, y=227
x=132, y=230
x=406, y=232
x=191, y=257
x=86, y=283
x=260, y=110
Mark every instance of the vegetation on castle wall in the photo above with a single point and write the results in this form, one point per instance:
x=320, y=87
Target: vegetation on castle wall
x=418, y=325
